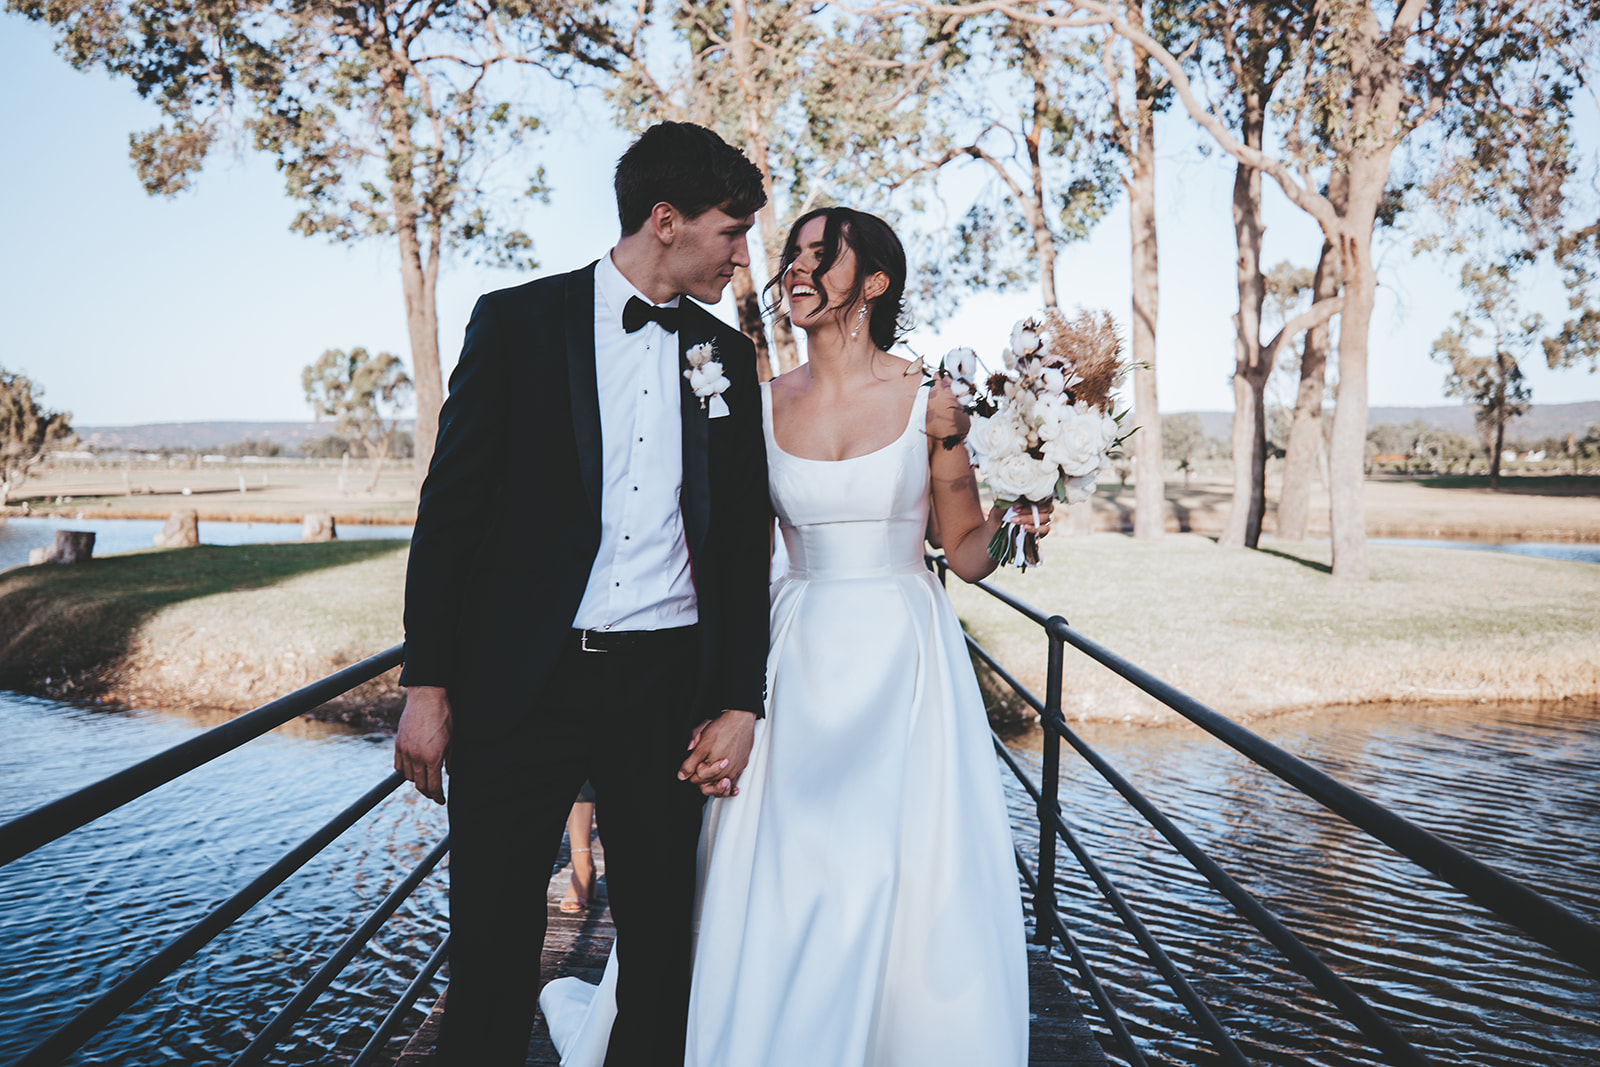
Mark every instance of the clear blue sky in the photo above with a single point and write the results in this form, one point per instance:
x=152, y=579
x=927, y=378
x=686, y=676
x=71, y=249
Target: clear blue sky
x=131, y=309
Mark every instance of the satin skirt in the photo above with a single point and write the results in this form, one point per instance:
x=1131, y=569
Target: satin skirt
x=858, y=901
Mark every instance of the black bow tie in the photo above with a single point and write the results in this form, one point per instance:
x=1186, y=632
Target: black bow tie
x=636, y=313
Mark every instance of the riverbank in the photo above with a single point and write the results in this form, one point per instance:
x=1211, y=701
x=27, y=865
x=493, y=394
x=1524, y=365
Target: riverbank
x=225, y=627
x=1261, y=633
x=1249, y=633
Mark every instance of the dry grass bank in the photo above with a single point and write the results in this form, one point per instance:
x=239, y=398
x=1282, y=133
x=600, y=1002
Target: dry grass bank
x=212, y=627
x=1260, y=633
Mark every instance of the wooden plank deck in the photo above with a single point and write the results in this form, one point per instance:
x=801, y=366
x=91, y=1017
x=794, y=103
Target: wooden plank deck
x=1059, y=1036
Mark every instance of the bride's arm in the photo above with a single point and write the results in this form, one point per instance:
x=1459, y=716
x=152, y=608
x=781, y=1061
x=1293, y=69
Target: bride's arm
x=958, y=513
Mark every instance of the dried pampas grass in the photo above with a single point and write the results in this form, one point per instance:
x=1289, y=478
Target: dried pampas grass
x=1088, y=343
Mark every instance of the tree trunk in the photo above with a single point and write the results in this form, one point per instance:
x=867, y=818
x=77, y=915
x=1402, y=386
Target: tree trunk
x=72, y=546
x=1044, y=242
x=1347, y=450
x=783, y=345
x=1243, y=528
x=1149, y=495
x=1305, y=451
x=748, y=303
x=1499, y=415
x=417, y=282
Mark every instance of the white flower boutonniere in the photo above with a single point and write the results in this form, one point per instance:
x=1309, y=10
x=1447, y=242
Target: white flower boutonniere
x=705, y=374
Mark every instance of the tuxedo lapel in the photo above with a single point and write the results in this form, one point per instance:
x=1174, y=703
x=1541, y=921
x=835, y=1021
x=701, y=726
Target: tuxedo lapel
x=583, y=386
x=696, y=434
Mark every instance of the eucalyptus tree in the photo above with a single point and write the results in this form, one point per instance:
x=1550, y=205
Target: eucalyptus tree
x=384, y=118
x=1578, y=341
x=363, y=393
x=821, y=100
x=1061, y=124
x=28, y=430
x=1372, y=73
x=1492, y=382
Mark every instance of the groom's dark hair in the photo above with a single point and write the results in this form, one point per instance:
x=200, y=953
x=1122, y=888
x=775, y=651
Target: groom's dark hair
x=690, y=168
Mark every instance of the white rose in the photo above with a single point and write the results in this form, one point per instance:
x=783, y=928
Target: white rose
x=1081, y=488
x=990, y=438
x=1019, y=476
x=1078, y=448
x=1025, y=339
x=1108, y=429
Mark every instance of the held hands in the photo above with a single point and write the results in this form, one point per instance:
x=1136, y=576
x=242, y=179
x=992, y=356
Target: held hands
x=719, y=750
x=422, y=744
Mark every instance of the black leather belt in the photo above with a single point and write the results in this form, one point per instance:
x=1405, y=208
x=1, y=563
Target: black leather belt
x=625, y=640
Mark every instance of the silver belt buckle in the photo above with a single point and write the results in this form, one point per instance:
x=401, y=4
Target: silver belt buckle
x=583, y=643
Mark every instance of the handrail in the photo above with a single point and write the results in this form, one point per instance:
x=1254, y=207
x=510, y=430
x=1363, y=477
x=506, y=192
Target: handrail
x=291, y=1012
x=1524, y=908
x=391, y=1022
x=1568, y=934
x=92, y=1019
x=50, y=821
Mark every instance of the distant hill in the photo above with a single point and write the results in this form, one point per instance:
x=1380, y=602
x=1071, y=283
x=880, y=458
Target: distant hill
x=203, y=436
x=1541, y=421
x=1544, y=420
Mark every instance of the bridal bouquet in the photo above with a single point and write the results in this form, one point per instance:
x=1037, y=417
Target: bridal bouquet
x=1043, y=427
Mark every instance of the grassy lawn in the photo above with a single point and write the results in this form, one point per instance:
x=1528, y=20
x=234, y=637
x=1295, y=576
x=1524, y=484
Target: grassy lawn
x=1253, y=633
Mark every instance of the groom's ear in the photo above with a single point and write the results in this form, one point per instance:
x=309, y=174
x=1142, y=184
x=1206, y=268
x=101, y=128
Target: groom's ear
x=664, y=222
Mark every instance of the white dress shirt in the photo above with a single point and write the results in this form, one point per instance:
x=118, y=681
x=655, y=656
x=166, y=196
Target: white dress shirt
x=640, y=579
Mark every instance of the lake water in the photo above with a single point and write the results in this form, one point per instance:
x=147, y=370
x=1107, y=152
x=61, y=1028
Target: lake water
x=1518, y=786
x=19, y=536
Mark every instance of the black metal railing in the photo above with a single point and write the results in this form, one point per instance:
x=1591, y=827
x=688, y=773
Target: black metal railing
x=1564, y=932
x=43, y=825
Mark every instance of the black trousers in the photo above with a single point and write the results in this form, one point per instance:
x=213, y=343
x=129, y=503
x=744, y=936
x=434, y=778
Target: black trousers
x=622, y=720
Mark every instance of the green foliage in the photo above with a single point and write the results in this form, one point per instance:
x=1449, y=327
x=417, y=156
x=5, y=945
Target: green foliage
x=1491, y=382
x=28, y=430
x=252, y=446
x=1578, y=255
x=383, y=118
x=363, y=393
x=1025, y=105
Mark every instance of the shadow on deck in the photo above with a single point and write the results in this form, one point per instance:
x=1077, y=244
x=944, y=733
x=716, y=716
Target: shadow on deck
x=1059, y=1036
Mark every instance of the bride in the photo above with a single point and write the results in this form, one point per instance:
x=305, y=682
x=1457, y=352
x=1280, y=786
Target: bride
x=858, y=900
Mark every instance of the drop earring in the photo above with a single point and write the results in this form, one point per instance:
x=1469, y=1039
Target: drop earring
x=861, y=317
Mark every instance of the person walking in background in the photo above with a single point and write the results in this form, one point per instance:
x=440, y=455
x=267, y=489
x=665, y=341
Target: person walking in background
x=580, y=843
x=587, y=590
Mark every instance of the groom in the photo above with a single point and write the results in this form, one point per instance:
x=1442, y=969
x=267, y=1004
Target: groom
x=587, y=584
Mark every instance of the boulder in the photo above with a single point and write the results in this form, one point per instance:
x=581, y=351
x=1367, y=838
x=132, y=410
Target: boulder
x=318, y=528
x=181, y=531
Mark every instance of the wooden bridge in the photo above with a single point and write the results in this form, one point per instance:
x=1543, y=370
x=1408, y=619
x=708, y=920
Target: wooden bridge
x=1058, y=1034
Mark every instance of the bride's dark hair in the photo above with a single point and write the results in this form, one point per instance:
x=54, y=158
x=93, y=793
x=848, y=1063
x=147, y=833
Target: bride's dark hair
x=876, y=249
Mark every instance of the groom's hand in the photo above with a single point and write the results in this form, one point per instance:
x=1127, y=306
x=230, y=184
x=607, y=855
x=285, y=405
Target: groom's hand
x=719, y=752
x=422, y=744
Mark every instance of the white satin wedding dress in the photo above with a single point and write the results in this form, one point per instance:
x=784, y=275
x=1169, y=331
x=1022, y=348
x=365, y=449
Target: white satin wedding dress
x=858, y=902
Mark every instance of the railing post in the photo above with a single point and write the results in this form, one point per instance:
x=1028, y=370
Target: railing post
x=943, y=568
x=1049, y=784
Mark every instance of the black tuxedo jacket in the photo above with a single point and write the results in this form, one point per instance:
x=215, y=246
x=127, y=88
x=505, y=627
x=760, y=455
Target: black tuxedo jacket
x=508, y=523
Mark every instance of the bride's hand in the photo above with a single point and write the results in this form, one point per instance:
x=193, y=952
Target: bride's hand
x=1034, y=518
x=720, y=750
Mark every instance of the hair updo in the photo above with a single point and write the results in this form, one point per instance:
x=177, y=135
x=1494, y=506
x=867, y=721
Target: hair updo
x=876, y=249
